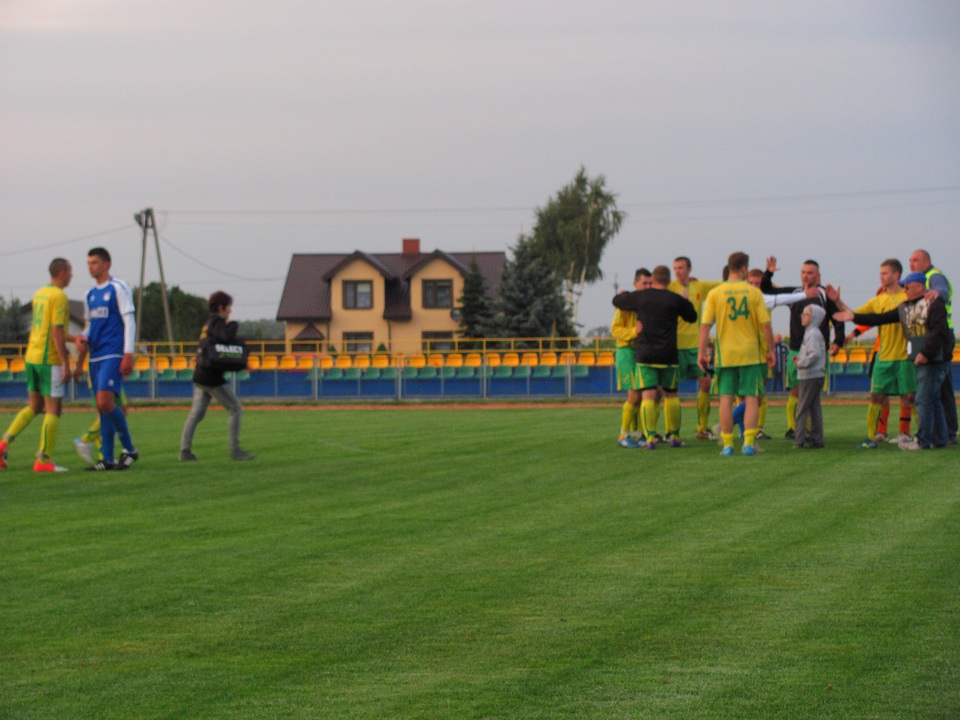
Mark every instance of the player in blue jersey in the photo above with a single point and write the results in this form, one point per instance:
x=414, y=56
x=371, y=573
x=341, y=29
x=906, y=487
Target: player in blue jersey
x=109, y=333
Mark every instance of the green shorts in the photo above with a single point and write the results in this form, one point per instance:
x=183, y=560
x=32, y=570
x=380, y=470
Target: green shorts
x=45, y=379
x=665, y=376
x=626, y=359
x=743, y=380
x=790, y=380
x=688, y=368
x=893, y=377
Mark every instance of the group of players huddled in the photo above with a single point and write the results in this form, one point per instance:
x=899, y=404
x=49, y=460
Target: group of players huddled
x=663, y=334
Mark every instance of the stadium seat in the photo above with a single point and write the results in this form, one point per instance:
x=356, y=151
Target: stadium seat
x=417, y=361
x=6, y=376
x=314, y=374
x=510, y=359
x=361, y=361
x=333, y=373
x=522, y=371
x=370, y=373
x=288, y=362
x=306, y=362
x=503, y=371
x=161, y=364
x=389, y=373
x=343, y=362
x=185, y=374
x=473, y=360
x=3, y=364
x=530, y=359
x=837, y=368
x=168, y=374
x=269, y=362
x=567, y=358
x=141, y=363
x=586, y=358
x=254, y=362
x=956, y=354
x=410, y=373
x=428, y=373
x=381, y=361
x=580, y=371
x=840, y=357
x=179, y=363
x=605, y=358
x=241, y=375
x=855, y=368
x=559, y=371
x=857, y=355
x=454, y=360
x=542, y=371
x=466, y=372
x=352, y=373
x=493, y=360
x=435, y=360
x=447, y=372
x=326, y=362
x=548, y=358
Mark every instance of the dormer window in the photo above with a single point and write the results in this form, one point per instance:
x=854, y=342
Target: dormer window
x=357, y=294
x=437, y=294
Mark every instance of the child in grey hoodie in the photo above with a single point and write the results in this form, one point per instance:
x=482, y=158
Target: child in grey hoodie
x=811, y=363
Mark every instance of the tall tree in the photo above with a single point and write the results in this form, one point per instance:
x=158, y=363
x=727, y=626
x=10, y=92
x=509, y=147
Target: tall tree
x=188, y=313
x=475, y=305
x=12, y=328
x=531, y=301
x=572, y=231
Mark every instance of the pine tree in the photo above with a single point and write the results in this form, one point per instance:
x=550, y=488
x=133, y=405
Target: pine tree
x=531, y=302
x=476, y=308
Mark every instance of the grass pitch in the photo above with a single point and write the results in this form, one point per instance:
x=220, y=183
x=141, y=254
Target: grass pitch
x=449, y=563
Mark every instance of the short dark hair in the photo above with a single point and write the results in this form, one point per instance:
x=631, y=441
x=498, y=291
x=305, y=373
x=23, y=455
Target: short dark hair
x=100, y=253
x=893, y=264
x=738, y=262
x=685, y=259
x=641, y=273
x=812, y=262
x=755, y=272
x=661, y=275
x=57, y=266
x=218, y=301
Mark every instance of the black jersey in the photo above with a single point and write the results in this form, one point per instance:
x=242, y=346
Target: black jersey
x=658, y=310
x=796, y=313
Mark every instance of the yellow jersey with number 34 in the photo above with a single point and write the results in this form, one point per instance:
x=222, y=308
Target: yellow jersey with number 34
x=50, y=308
x=738, y=310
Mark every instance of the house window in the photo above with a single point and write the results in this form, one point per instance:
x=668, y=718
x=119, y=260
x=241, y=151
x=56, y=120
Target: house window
x=437, y=341
x=358, y=342
x=438, y=293
x=357, y=294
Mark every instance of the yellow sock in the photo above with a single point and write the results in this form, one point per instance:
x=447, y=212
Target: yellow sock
x=762, y=413
x=628, y=417
x=92, y=435
x=873, y=415
x=20, y=422
x=727, y=439
x=671, y=414
x=791, y=413
x=703, y=411
x=750, y=436
x=648, y=416
x=48, y=434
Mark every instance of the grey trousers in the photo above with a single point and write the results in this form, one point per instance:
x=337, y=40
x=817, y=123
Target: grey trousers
x=808, y=405
x=202, y=395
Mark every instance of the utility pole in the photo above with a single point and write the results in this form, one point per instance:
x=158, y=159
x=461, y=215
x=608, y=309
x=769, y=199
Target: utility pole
x=146, y=220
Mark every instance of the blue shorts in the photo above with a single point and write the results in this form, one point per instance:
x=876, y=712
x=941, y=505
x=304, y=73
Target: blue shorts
x=105, y=376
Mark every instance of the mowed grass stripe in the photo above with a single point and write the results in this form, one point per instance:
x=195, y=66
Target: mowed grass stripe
x=490, y=563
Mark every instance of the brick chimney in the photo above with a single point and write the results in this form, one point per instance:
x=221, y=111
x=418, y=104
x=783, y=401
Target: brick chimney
x=411, y=246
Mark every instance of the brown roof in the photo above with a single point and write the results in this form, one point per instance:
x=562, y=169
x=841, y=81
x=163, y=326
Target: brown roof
x=306, y=293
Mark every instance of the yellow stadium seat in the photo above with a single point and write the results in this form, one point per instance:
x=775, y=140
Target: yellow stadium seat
x=162, y=363
x=269, y=362
x=548, y=358
x=956, y=354
x=605, y=359
x=454, y=360
x=511, y=359
x=17, y=364
x=141, y=363
x=288, y=362
x=530, y=359
x=306, y=362
x=417, y=361
x=493, y=359
x=567, y=358
x=381, y=361
x=435, y=360
x=325, y=362
x=3, y=364
x=586, y=358
x=857, y=355
x=179, y=363
x=473, y=360
x=344, y=362
x=361, y=361
x=253, y=362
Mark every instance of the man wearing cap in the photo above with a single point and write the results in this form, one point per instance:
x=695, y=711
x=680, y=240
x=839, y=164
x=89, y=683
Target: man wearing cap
x=929, y=346
x=938, y=285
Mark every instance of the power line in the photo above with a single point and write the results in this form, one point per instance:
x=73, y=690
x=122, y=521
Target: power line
x=82, y=238
x=201, y=263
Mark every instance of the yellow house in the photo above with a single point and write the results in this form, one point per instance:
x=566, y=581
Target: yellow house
x=405, y=302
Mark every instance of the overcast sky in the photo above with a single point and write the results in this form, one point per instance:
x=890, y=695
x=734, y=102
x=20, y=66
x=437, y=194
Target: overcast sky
x=257, y=130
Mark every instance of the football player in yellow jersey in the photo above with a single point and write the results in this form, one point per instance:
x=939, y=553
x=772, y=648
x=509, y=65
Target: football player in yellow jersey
x=624, y=330
x=48, y=367
x=893, y=373
x=740, y=313
x=688, y=338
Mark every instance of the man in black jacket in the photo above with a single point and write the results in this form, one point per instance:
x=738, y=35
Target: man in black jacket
x=809, y=278
x=658, y=360
x=930, y=346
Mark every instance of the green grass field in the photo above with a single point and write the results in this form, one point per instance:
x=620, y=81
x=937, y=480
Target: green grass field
x=488, y=563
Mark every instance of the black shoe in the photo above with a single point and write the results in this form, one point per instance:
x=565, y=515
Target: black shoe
x=790, y=435
x=100, y=466
x=239, y=454
x=187, y=456
x=127, y=459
